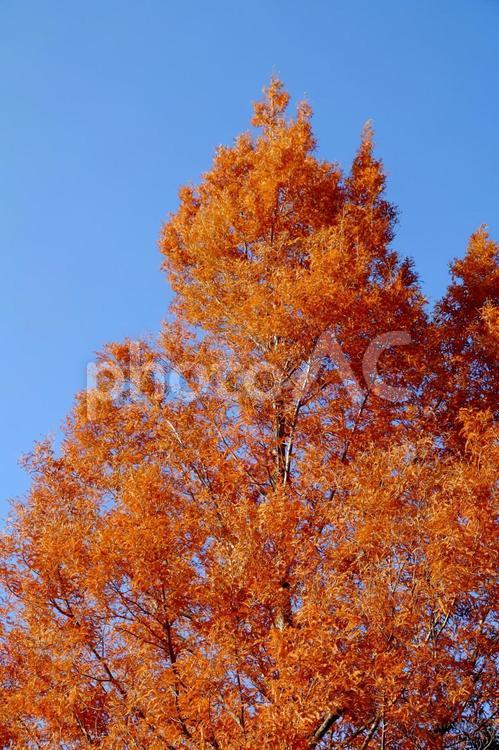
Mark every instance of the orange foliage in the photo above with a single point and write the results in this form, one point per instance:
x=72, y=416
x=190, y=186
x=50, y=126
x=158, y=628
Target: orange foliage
x=286, y=559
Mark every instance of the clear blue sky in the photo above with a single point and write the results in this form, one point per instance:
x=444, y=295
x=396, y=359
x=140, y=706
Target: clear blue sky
x=107, y=106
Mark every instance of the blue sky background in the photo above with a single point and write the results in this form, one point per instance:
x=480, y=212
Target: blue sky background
x=107, y=106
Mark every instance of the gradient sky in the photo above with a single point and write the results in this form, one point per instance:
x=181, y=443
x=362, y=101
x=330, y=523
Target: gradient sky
x=107, y=106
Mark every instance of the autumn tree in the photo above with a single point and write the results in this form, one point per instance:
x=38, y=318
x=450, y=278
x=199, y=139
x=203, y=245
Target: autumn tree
x=295, y=549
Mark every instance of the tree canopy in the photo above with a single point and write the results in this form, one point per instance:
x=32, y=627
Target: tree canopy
x=297, y=550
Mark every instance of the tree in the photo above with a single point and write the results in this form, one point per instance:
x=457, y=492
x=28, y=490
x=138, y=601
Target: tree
x=297, y=551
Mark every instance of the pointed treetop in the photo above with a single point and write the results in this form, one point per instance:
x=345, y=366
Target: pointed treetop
x=480, y=258
x=270, y=111
x=367, y=179
x=367, y=133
